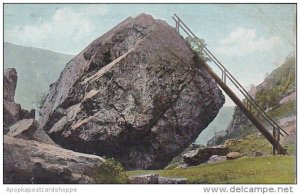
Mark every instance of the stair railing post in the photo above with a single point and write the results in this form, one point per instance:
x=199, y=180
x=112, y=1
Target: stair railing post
x=275, y=136
x=278, y=135
x=250, y=106
x=222, y=75
x=177, y=25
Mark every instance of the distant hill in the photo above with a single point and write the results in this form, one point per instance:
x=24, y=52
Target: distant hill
x=220, y=123
x=36, y=68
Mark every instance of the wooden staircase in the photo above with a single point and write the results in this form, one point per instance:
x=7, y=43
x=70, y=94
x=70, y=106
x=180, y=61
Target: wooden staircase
x=277, y=131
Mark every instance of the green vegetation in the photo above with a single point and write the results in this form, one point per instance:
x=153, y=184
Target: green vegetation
x=110, y=172
x=196, y=46
x=251, y=144
x=279, y=83
x=268, y=169
x=256, y=142
x=284, y=110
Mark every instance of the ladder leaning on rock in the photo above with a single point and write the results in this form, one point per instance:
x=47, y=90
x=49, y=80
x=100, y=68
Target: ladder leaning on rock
x=274, y=137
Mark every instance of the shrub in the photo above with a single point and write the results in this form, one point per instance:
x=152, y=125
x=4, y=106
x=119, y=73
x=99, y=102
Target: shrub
x=110, y=172
x=196, y=45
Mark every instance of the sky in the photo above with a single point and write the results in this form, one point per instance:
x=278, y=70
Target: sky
x=249, y=39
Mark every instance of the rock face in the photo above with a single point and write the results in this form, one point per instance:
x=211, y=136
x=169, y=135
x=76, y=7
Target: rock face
x=18, y=122
x=23, y=129
x=29, y=129
x=27, y=161
x=12, y=111
x=133, y=94
x=202, y=155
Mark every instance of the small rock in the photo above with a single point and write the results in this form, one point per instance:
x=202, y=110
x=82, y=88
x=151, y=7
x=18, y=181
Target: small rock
x=202, y=155
x=216, y=158
x=144, y=179
x=183, y=166
x=165, y=180
x=233, y=155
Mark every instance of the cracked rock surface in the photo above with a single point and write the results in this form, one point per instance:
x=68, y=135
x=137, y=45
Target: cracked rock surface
x=28, y=161
x=133, y=94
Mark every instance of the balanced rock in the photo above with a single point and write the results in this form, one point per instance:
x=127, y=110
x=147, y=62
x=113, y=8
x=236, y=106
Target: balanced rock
x=28, y=161
x=137, y=93
x=202, y=155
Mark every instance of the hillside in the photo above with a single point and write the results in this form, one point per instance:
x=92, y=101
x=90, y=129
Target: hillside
x=37, y=69
x=246, y=170
x=277, y=96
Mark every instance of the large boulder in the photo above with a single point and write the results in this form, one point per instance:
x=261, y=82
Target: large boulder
x=202, y=155
x=11, y=110
x=134, y=94
x=28, y=161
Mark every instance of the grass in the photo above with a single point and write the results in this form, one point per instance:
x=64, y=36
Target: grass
x=267, y=169
x=283, y=110
x=251, y=144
